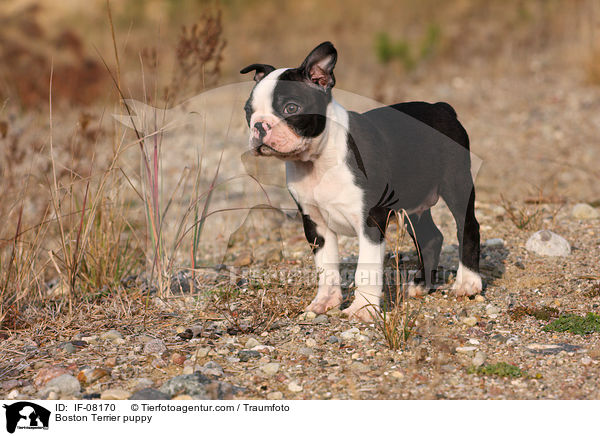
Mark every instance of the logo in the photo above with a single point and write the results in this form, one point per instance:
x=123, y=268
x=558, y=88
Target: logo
x=26, y=415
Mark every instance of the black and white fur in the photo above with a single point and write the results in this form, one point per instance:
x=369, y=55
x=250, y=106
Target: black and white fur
x=347, y=171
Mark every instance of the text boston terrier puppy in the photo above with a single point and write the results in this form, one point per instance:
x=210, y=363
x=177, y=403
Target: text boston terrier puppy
x=347, y=171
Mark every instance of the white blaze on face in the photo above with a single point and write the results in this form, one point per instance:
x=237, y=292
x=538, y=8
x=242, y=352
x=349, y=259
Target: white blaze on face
x=277, y=134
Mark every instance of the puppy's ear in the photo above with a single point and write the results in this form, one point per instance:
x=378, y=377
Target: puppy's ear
x=261, y=70
x=318, y=65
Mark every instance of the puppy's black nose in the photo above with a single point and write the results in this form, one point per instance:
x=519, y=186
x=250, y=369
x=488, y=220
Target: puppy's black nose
x=260, y=130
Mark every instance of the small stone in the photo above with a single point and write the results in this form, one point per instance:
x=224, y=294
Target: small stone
x=52, y=396
x=294, y=387
x=142, y=383
x=68, y=348
x=177, y=359
x=64, y=385
x=310, y=342
x=212, y=369
x=490, y=309
x=584, y=211
x=547, y=243
x=270, y=368
x=479, y=298
x=202, y=352
x=586, y=360
x=91, y=375
x=246, y=355
x=115, y=394
x=110, y=335
x=471, y=321
x=10, y=384
x=305, y=351
x=334, y=312
x=359, y=367
x=321, y=319
x=244, y=259
x=494, y=243
x=251, y=343
x=274, y=396
x=111, y=362
x=474, y=341
x=349, y=334
x=307, y=316
x=479, y=358
x=333, y=339
x=150, y=394
x=465, y=350
x=396, y=374
x=155, y=346
x=48, y=373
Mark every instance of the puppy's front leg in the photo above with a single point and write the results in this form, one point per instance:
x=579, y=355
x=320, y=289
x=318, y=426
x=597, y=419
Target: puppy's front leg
x=329, y=293
x=368, y=279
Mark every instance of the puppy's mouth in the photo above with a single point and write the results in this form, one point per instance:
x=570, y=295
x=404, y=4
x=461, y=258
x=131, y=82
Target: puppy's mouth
x=266, y=150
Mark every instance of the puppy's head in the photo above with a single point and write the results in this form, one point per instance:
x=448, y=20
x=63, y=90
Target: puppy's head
x=287, y=109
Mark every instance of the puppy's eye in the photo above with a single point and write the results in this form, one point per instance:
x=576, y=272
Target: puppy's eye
x=290, y=108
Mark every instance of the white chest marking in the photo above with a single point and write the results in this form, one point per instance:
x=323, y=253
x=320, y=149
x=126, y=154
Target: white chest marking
x=325, y=187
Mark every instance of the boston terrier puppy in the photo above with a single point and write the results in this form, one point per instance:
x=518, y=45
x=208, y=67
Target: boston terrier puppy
x=348, y=172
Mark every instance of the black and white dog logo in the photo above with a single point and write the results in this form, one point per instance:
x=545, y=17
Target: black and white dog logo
x=26, y=415
x=347, y=171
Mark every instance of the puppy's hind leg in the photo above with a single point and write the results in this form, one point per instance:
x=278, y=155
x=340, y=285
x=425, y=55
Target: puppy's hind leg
x=462, y=205
x=428, y=241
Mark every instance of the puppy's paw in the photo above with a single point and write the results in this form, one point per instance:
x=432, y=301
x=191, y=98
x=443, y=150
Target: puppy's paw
x=467, y=282
x=362, y=311
x=322, y=303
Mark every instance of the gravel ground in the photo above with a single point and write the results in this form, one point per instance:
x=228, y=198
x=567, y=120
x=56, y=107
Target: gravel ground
x=186, y=346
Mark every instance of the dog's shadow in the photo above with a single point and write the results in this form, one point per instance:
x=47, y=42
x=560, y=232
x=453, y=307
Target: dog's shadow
x=396, y=275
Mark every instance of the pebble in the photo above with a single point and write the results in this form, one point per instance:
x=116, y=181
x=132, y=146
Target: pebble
x=212, y=369
x=595, y=353
x=479, y=358
x=471, y=321
x=333, y=339
x=584, y=211
x=490, y=309
x=274, y=396
x=251, y=343
x=305, y=351
x=155, y=346
x=547, y=243
x=90, y=375
x=270, y=368
x=202, y=352
x=111, y=335
x=397, y=374
x=334, y=312
x=48, y=373
x=359, y=367
x=586, y=360
x=349, y=334
x=311, y=342
x=465, y=350
x=246, y=355
x=307, y=316
x=110, y=362
x=321, y=319
x=142, y=383
x=294, y=387
x=115, y=394
x=494, y=243
x=68, y=348
x=479, y=298
x=474, y=341
x=149, y=394
x=177, y=359
x=63, y=385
